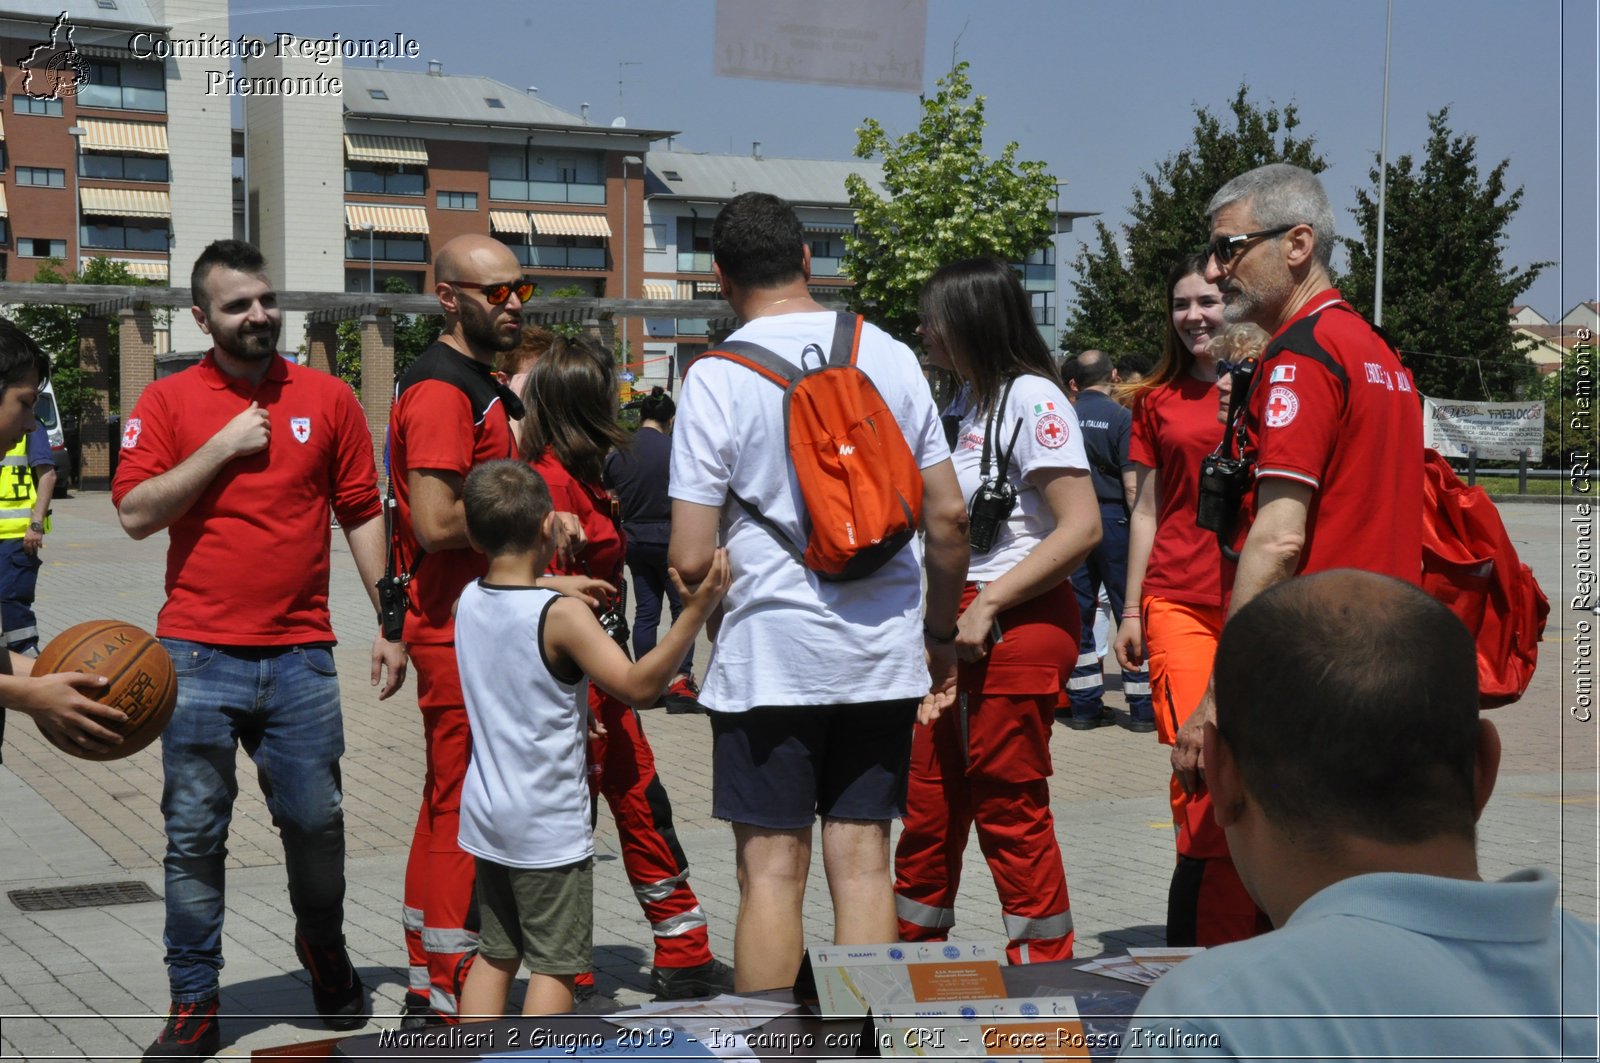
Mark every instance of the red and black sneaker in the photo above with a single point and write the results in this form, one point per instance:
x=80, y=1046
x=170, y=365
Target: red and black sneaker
x=683, y=695
x=192, y=1032
x=336, y=988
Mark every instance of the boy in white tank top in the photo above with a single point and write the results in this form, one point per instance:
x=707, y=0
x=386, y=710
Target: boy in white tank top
x=526, y=657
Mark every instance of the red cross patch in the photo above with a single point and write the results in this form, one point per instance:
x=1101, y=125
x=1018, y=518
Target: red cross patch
x=1282, y=405
x=130, y=433
x=1051, y=431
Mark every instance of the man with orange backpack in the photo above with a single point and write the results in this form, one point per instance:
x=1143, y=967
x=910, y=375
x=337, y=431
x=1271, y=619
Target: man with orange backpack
x=808, y=448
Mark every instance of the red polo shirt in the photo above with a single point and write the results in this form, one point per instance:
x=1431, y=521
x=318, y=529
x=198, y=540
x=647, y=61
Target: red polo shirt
x=247, y=565
x=448, y=416
x=1353, y=434
x=1174, y=427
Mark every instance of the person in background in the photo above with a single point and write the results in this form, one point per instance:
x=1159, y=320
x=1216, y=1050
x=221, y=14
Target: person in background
x=980, y=753
x=511, y=367
x=1105, y=426
x=639, y=474
x=1132, y=369
x=27, y=484
x=1235, y=347
x=1173, y=617
x=1351, y=811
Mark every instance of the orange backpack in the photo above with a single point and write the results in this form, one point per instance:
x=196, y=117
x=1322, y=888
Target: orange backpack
x=860, y=484
x=1469, y=564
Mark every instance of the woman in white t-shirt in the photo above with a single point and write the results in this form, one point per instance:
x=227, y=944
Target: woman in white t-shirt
x=981, y=756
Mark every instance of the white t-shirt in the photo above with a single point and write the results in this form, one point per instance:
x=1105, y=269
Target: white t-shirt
x=787, y=636
x=525, y=801
x=1049, y=438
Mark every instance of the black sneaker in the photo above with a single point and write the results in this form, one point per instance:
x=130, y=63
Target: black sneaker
x=192, y=1032
x=1138, y=725
x=418, y=1014
x=683, y=696
x=1088, y=723
x=336, y=988
x=685, y=983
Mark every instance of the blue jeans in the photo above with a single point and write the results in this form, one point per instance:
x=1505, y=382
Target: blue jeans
x=648, y=563
x=282, y=705
x=1106, y=566
x=19, y=577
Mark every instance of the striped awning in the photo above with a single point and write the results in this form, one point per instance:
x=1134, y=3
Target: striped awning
x=2, y=129
x=508, y=221
x=143, y=268
x=659, y=290
x=571, y=225
x=386, y=219
x=142, y=138
x=3, y=209
x=396, y=151
x=125, y=202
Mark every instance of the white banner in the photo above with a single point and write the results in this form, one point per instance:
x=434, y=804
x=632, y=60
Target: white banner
x=1500, y=430
x=868, y=44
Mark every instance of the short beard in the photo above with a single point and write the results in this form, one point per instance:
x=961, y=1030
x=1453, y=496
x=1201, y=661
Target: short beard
x=477, y=326
x=244, y=352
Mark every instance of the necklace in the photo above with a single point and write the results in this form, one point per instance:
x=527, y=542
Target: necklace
x=780, y=302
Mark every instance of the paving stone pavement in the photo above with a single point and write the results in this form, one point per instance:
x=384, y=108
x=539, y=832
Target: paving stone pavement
x=88, y=983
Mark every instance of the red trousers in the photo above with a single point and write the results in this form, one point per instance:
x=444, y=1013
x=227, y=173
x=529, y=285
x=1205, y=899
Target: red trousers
x=651, y=855
x=438, y=916
x=986, y=763
x=1207, y=903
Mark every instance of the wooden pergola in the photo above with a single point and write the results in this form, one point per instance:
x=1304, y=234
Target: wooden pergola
x=131, y=307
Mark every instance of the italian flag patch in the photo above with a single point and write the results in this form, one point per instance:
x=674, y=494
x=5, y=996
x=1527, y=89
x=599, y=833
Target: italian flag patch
x=1042, y=407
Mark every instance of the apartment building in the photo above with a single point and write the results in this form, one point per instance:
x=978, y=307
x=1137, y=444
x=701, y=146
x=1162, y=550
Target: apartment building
x=108, y=150
x=402, y=161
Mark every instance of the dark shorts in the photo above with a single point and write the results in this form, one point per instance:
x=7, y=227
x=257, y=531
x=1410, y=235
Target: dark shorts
x=543, y=915
x=782, y=766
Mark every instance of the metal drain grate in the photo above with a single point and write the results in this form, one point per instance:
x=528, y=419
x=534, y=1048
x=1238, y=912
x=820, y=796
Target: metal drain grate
x=94, y=895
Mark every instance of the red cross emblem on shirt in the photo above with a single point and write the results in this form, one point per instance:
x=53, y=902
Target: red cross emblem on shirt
x=1051, y=431
x=1282, y=405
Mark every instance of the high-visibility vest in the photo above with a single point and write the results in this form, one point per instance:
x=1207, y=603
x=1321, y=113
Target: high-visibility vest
x=18, y=493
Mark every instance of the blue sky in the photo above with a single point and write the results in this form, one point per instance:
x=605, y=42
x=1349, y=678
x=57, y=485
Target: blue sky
x=1100, y=90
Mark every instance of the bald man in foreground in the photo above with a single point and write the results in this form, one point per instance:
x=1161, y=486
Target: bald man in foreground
x=1348, y=765
x=450, y=413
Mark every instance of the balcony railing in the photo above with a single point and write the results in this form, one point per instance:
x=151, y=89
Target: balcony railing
x=542, y=257
x=545, y=191
x=694, y=261
x=693, y=326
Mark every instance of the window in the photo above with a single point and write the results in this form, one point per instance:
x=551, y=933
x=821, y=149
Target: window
x=29, y=247
x=694, y=245
x=128, y=85
x=355, y=280
x=672, y=175
x=531, y=176
x=494, y=102
x=106, y=5
x=386, y=249
x=41, y=177
x=457, y=201
x=655, y=236
x=384, y=180
x=558, y=252
x=26, y=104
x=123, y=236
x=124, y=167
x=5, y=232
x=377, y=94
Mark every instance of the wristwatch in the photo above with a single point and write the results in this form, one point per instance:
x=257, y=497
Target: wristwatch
x=36, y=526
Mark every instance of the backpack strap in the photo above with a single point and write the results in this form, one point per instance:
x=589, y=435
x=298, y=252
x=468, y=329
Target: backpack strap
x=846, y=338
x=757, y=359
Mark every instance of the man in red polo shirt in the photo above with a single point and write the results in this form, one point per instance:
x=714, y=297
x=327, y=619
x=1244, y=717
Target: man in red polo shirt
x=240, y=459
x=450, y=413
x=1333, y=422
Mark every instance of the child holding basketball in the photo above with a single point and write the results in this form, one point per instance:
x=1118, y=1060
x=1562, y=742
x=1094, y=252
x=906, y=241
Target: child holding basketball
x=524, y=655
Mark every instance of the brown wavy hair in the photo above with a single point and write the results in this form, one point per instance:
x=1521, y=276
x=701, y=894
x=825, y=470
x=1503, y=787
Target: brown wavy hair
x=570, y=404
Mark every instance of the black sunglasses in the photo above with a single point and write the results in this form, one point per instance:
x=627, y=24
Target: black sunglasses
x=1246, y=365
x=499, y=293
x=1223, y=248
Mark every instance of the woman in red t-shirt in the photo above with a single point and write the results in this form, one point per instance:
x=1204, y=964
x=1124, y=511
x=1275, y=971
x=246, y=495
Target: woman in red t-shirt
x=569, y=428
x=1175, y=577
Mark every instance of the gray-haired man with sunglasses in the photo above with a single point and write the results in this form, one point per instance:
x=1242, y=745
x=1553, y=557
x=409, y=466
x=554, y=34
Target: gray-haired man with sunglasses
x=1332, y=422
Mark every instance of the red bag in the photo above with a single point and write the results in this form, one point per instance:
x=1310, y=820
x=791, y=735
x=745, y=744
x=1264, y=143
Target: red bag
x=1469, y=564
x=860, y=484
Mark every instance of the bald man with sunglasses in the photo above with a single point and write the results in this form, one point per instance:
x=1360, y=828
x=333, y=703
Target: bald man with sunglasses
x=450, y=414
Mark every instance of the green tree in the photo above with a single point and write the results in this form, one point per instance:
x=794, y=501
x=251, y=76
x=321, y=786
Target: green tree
x=1445, y=287
x=1570, y=406
x=1121, y=286
x=946, y=200
x=413, y=333
x=55, y=328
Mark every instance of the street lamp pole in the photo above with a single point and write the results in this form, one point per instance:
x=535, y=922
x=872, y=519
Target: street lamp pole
x=627, y=161
x=77, y=133
x=372, y=281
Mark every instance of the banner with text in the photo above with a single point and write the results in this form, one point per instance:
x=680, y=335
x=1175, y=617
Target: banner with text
x=1500, y=431
x=868, y=44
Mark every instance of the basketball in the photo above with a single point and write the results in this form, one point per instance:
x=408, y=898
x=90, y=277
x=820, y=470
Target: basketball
x=143, y=683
